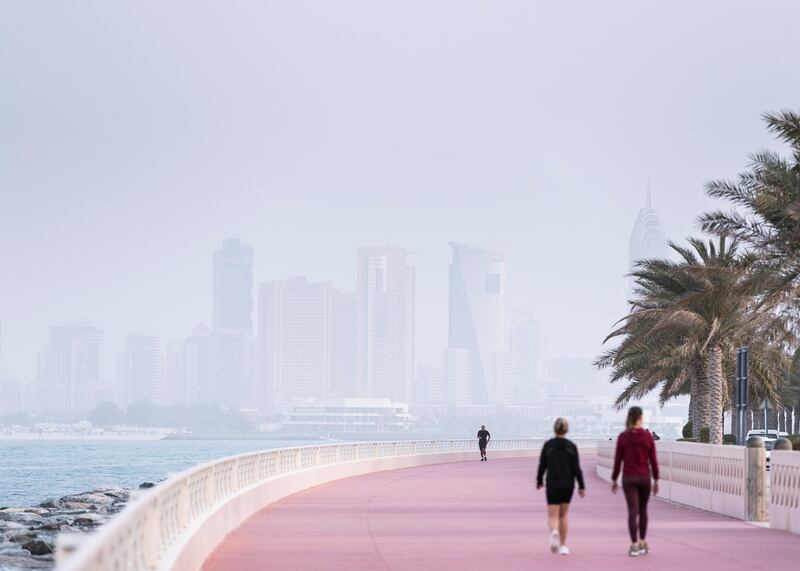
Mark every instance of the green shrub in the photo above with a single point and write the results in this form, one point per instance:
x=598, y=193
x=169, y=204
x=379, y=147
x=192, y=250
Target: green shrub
x=686, y=440
x=687, y=430
x=705, y=435
x=729, y=439
x=795, y=438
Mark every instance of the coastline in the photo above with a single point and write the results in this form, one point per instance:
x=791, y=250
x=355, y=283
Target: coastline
x=28, y=534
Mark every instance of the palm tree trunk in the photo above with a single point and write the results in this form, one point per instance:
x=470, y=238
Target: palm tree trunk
x=694, y=404
x=701, y=417
x=716, y=398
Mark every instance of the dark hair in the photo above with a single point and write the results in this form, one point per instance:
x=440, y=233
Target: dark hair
x=561, y=426
x=634, y=414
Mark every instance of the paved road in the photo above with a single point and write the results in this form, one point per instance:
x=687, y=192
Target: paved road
x=483, y=516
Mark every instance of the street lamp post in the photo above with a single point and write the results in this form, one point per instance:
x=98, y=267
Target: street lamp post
x=741, y=392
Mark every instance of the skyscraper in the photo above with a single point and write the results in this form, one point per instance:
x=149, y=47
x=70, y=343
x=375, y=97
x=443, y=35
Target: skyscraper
x=647, y=238
x=196, y=363
x=457, y=371
x=232, y=323
x=187, y=369
x=343, y=344
x=69, y=372
x=140, y=371
x=295, y=340
x=384, y=324
x=525, y=357
x=477, y=319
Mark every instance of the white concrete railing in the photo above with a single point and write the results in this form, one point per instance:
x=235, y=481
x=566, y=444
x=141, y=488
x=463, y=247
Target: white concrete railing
x=705, y=476
x=178, y=524
x=785, y=500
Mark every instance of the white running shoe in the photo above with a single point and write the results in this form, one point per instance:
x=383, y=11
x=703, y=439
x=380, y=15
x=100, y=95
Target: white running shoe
x=563, y=550
x=634, y=551
x=555, y=541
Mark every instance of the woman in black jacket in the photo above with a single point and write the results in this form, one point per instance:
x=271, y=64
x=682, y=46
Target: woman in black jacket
x=559, y=459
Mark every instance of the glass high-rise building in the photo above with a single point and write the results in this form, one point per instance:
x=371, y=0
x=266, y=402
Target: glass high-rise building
x=232, y=324
x=294, y=340
x=343, y=344
x=141, y=371
x=188, y=368
x=647, y=239
x=69, y=372
x=384, y=324
x=477, y=319
x=525, y=358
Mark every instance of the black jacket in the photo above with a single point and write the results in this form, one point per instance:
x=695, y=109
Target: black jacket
x=559, y=458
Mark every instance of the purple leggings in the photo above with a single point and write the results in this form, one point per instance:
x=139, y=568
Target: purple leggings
x=637, y=493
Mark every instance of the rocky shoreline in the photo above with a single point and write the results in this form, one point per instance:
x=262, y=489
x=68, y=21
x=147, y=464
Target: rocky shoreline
x=28, y=535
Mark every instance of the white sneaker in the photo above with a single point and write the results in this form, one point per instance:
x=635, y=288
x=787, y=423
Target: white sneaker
x=555, y=541
x=563, y=550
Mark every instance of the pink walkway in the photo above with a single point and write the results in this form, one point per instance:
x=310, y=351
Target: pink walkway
x=482, y=516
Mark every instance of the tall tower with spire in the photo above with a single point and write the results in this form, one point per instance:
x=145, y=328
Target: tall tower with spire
x=647, y=239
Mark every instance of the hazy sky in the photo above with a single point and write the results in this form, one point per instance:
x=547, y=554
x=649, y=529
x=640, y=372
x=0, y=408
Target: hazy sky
x=136, y=136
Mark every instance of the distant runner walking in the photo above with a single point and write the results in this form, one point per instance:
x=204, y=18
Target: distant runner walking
x=636, y=453
x=483, y=439
x=559, y=460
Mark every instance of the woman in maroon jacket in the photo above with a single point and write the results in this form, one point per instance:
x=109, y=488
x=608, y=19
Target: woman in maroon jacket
x=636, y=453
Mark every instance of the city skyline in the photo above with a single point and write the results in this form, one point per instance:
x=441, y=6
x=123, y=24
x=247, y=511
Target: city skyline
x=240, y=337
x=295, y=339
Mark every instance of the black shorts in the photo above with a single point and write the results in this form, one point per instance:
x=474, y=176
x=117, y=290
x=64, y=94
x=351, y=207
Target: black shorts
x=556, y=496
x=482, y=444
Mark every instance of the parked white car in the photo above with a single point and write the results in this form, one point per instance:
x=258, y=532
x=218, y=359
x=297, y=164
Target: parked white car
x=773, y=434
x=769, y=436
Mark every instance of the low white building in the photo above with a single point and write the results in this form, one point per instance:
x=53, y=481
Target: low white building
x=347, y=416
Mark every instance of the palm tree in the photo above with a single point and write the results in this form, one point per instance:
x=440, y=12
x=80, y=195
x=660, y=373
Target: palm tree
x=685, y=323
x=653, y=359
x=766, y=219
x=767, y=197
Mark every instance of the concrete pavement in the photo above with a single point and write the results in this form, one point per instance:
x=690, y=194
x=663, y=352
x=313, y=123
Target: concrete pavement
x=483, y=516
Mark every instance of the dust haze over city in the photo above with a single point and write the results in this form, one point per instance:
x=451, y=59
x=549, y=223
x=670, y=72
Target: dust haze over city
x=307, y=212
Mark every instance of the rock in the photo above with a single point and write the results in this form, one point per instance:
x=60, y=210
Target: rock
x=68, y=529
x=39, y=547
x=13, y=563
x=92, y=498
x=55, y=522
x=18, y=516
x=146, y=485
x=12, y=535
x=52, y=504
x=72, y=511
x=87, y=519
x=80, y=506
x=23, y=537
x=10, y=526
x=28, y=535
x=118, y=494
x=36, y=510
x=12, y=549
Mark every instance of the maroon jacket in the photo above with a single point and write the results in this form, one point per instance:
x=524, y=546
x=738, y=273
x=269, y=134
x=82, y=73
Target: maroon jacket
x=636, y=452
